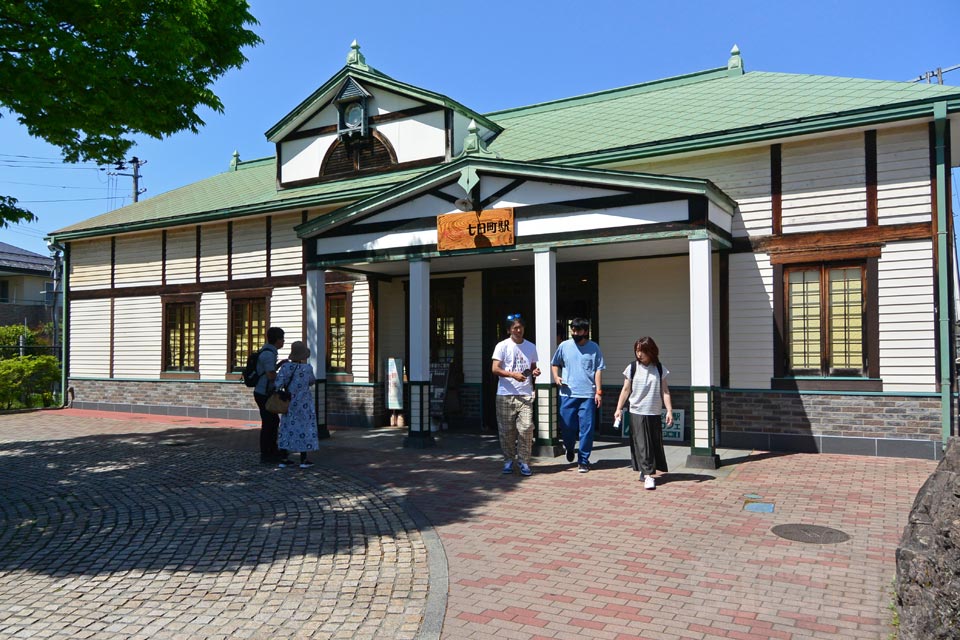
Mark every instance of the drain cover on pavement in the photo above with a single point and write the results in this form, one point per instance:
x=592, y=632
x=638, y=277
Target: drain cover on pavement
x=810, y=533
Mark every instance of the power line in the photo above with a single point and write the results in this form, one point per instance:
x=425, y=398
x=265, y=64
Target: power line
x=52, y=186
x=66, y=200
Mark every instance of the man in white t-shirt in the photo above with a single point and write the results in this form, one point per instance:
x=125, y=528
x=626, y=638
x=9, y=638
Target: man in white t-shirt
x=515, y=364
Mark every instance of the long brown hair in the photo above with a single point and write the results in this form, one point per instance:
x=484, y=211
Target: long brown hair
x=648, y=346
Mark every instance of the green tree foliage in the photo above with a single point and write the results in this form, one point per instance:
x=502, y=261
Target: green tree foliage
x=85, y=75
x=28, y=381
x=10, y=339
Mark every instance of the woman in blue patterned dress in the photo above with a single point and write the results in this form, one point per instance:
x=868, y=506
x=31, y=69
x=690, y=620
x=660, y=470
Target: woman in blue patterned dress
x=298, y=427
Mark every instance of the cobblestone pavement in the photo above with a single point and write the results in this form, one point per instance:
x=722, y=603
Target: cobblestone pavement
x=558, y=555
x=152, y=534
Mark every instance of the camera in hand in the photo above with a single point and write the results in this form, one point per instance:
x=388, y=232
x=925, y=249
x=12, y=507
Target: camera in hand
x=526, y=373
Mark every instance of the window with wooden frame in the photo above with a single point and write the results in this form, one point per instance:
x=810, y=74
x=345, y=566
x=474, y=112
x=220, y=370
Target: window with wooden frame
x=180, y=331
x=338, y=332
x=825, y=320
x=248, y=329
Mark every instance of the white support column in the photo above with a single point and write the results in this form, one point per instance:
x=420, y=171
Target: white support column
x=418, y=434
x=702, y=453
x=545, y=295
x=316, y=304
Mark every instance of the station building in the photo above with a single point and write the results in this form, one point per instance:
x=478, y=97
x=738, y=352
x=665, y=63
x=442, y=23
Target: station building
x=787, y=239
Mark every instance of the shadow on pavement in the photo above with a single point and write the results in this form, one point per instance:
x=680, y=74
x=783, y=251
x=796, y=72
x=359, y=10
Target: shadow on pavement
x=197, y=499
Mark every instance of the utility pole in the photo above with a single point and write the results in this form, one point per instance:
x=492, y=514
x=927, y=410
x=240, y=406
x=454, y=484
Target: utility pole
x=935, y=75
x=136, y=163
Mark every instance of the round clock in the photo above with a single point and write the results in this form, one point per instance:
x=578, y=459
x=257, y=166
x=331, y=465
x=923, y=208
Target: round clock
x=353, y=116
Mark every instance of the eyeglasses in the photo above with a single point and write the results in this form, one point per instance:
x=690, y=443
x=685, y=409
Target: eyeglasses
x=513, y=316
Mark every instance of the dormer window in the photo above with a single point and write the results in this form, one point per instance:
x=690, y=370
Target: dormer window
x=352, y=101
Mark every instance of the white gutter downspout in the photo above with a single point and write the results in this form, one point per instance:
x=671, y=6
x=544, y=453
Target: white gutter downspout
x=943, y=269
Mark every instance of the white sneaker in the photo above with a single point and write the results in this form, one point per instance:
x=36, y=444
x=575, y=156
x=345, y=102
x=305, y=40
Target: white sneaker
x=649, y=483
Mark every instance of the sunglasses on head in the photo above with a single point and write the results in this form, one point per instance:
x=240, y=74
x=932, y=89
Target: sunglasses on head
x=513, y=316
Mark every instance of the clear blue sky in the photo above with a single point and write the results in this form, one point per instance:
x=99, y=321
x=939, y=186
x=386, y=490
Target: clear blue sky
x=488, y=56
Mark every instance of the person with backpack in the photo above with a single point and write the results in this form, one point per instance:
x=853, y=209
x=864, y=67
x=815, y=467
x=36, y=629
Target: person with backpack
x=645, y=387
x=266, y=373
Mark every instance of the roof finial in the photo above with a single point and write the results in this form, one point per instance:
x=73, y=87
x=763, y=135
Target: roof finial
x=735, y=63
x=473, y=144
x=355, y=58
x=235, y=162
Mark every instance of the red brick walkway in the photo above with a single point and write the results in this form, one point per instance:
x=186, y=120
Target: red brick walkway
x=567, y=556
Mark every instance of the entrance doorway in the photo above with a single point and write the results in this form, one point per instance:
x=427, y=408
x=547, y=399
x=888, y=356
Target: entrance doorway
x=511, y=290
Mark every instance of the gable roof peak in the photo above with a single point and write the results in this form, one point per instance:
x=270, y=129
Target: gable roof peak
x=355, y=58
x=735, y=63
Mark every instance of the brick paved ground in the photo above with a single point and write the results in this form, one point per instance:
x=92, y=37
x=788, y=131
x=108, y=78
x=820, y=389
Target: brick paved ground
x=131, y=529
x=559, y=555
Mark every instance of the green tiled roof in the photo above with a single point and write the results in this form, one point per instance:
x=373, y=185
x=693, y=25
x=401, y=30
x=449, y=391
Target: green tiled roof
x=252, y=188
x=701, y=110
x=712, y=103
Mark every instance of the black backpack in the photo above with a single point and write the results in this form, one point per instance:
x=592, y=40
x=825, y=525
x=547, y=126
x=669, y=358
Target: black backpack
x=250, y=375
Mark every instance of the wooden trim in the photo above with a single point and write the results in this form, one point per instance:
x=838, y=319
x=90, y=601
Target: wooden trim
x=306, y=245
x=812, y=240
x=347, y=294
x=229, y=251
x=339, y=287
x=278, y=169
x=175, y=298
x=113, y=262
x=871, y=301
x=826, y=255
x=303, y=313
x=179, y=299
x=870, y=166
x=724, y=319
x=372, y=120
x=112, y=334
x=179, y=375
x=187, y=288
x=825, y=384
x=163, y=258
x=252, y=294
x=249, y=293
x=779, y=335
x=199, y=238
x=776, y=188
x=268, y=243
x=448, y=133
x=372, y=324
x=403, y=114
x=871, y=321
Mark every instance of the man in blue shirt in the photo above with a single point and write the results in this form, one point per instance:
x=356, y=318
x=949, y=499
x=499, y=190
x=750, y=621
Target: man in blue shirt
x=576, y=368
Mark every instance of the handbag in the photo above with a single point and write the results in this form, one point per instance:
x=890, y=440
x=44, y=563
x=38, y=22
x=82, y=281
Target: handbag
x=279, y=401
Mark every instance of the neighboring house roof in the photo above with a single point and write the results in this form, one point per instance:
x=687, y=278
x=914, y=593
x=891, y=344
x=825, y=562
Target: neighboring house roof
x=16, y=260
x=713, y=108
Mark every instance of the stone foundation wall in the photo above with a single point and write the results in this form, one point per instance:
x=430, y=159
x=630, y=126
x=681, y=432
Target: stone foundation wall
x=928, y=558
x=355, y=405
x=899, y=426
x=229, y=400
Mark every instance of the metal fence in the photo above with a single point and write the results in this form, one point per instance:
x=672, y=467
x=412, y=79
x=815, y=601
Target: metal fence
x=14, y=350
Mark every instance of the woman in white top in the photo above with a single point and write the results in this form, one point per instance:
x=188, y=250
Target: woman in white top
x=645, y=386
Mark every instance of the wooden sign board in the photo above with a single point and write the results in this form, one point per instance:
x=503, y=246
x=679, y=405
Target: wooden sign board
x=472, y=230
